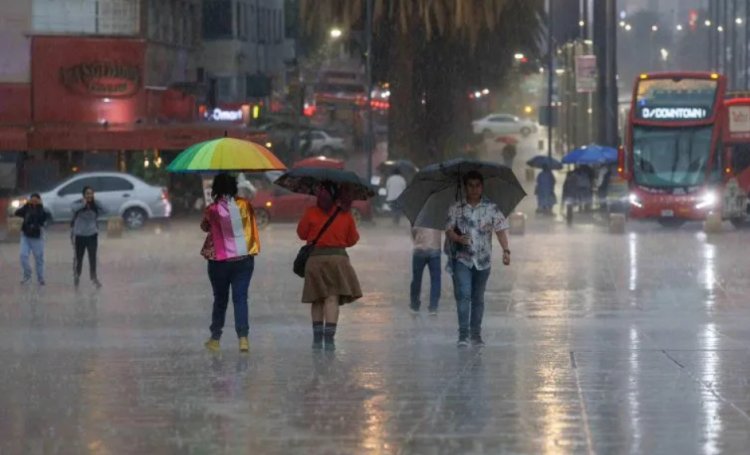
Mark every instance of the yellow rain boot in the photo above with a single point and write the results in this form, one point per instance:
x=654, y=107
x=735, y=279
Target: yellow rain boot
x=212, y=345
x=244, y=344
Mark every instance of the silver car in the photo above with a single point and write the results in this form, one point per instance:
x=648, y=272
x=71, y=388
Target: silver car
x=120, y=194
x=499, y=124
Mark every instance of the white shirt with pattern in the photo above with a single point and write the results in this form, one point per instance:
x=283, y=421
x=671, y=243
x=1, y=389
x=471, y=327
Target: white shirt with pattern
x=480, y=222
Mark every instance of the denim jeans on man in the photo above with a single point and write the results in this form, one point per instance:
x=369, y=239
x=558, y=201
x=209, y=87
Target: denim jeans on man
x=33, y=246
x=223, y=275
x=469, y=285
x=419, y=260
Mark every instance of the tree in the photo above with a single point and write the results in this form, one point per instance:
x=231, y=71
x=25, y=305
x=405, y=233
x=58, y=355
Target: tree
x=432, y=52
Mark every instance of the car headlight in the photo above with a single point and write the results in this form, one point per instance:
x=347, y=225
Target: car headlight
x=707, y=200
x=635, y=200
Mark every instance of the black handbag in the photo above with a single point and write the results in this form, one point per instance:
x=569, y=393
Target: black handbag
x=304, y=253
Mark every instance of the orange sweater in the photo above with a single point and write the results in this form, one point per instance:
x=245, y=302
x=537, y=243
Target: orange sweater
x=342, y=233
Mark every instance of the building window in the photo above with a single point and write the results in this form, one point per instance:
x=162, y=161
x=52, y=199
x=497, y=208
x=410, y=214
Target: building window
x=238, y=19
x=279, y=26
x=190, y=39
x=224, y=88
x=253, y=25
x=217, y=19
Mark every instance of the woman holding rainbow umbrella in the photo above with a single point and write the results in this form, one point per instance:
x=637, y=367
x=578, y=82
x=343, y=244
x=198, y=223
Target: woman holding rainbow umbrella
x=232, y=240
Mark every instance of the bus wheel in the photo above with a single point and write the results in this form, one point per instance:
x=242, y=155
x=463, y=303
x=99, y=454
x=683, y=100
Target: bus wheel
x=672, y=223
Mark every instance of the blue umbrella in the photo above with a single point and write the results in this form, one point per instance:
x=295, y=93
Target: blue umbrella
x=591, y=154
x=540, y=161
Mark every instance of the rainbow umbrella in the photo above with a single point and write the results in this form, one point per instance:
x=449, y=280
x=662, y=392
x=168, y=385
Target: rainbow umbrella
x=226, y=154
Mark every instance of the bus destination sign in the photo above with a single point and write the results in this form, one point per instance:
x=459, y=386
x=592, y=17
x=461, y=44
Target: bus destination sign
x=673, y=113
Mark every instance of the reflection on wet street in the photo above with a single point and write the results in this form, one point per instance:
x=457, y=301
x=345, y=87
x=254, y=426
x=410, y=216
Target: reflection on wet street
x=596, y=343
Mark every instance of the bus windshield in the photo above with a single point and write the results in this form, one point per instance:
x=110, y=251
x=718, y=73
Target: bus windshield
x=670, y=157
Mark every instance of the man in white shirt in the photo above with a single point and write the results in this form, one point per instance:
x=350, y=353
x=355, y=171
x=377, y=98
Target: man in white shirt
x=394, y=186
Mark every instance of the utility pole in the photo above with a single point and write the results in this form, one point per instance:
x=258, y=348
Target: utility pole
x=605, y=48
x=369, y=133
x=550, y=72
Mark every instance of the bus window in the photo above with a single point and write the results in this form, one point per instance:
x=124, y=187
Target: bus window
x=740, y=158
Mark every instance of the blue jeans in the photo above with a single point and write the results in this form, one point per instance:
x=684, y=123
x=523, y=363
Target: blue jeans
x=223, y=275
x=36, y=247
x=419, y=260
x=469, y=285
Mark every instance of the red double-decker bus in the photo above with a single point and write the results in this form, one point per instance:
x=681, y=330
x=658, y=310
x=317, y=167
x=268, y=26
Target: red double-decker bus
x=736, y=142
x=671, y=154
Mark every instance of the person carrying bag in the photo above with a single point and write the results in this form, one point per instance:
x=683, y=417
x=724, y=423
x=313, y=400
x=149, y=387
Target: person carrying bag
x=330, y=281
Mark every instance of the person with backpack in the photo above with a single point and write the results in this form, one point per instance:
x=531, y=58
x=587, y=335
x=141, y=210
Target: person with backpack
x=85, y=233
x=32, y=237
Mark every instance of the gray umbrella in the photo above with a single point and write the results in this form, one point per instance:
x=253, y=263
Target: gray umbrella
x=436, y=187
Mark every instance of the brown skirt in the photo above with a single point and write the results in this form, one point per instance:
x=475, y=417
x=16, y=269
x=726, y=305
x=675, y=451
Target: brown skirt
x=328, y=275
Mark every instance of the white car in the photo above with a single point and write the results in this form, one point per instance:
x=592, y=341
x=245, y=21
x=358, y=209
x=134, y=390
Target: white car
x=322, y=143
x=120, y=194
x=499, y=124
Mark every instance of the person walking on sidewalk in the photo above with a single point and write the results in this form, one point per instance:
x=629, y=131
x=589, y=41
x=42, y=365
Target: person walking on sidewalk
x=426, y=253
x=545, y=191
x=32, y=237
x=86, y=213
x=330, y=280
x=394, y=186
x=471, y=224
x=230, y=249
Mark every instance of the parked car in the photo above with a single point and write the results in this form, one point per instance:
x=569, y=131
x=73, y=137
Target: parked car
x=321, y=143
x=120, y=194
x=499, y=124
x=273, y=203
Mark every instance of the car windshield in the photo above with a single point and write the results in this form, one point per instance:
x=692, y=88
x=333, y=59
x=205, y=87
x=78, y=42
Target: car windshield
x=671, y=157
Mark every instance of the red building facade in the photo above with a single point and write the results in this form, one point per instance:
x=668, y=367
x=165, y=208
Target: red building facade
x=88, y=96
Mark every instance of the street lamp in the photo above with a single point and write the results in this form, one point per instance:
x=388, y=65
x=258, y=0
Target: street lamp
x=664, y=54
x=738, y=21
x=335, y=33
x=720, y=28
x=654, y=28
x=628, y=27
x=679, y=27
x=708, y=23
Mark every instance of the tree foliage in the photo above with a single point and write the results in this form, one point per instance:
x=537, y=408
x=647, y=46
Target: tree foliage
x=433, y=52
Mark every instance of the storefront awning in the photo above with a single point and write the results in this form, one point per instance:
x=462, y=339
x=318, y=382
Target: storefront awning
x=13, y=138
x=135, y=137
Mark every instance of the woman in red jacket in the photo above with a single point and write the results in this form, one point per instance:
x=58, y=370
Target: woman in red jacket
x=330, y=280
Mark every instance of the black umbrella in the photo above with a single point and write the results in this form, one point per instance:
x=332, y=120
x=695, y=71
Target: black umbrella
x=540, y=161
x=436, y=187
x=305, y=180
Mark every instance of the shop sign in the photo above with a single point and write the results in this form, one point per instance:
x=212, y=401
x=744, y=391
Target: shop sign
x=102, y=79
x=586, y=73
x=225, y=115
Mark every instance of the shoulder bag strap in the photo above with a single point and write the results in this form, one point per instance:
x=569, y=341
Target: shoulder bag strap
x=325, y=226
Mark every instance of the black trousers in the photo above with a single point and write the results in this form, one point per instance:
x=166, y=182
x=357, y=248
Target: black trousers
x=86, y=243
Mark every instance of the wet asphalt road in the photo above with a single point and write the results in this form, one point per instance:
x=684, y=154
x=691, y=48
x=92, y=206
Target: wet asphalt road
x=596, y=343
